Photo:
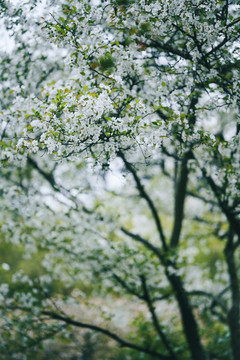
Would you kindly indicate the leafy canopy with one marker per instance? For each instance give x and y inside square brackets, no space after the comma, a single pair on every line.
[120,178]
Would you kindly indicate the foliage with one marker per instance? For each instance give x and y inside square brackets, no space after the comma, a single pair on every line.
[120,179]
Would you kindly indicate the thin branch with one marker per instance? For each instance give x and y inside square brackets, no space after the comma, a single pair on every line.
[219,315]
[215,299]
[200,197]
[48,176]
[145,242]
[67,320]
[217,47]
[127,287]
[122,342]
[145,196]
[44,77]
[234,22]
[218,192]
[4,130]
[155,319]
[163,297]
[135,293]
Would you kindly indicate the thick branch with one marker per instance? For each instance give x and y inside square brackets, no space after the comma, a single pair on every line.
[171,50]
[188,319]
[181,189]
[179,204]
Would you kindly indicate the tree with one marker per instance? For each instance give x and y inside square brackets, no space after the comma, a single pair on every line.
[146,93]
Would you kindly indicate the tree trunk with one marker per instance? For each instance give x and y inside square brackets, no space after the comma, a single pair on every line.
[188,320]
[233,315]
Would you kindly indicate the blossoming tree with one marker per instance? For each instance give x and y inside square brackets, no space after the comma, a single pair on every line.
[120,175]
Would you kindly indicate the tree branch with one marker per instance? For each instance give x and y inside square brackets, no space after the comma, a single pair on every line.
[181,189]
[155,319]
[145,196]
[235,223]
[58,188]
[139,296]
[179,204]
[106,332]
[145,242]
[127,287]
[188,319]
[67,320]
[215,299]
[169,49]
